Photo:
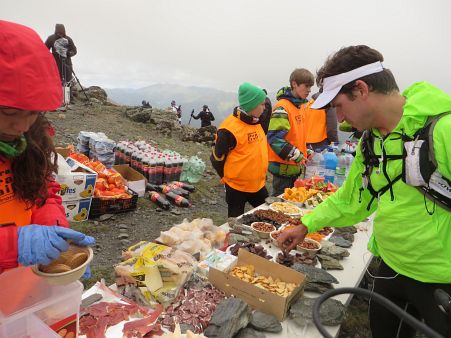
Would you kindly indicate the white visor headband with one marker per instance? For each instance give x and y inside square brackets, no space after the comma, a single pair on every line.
[333,84]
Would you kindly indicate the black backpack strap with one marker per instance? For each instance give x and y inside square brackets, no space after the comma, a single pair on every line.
[371,160]
[375,194]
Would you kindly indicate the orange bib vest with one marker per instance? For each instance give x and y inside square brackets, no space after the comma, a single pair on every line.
[12,210]
[246,165]
[315,123]
[296,134]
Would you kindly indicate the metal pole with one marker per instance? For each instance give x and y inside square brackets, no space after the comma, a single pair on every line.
[192,112]
[82,89]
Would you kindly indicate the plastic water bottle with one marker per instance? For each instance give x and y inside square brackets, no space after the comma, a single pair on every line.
[315,166]
[330,162]
[336,147]
[340,172]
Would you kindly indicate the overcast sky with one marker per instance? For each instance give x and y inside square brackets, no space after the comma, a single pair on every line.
[221,43]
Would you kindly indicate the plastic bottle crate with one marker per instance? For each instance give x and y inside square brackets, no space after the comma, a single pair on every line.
[102,206]
[30,307]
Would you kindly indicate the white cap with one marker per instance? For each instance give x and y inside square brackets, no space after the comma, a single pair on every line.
[333,84]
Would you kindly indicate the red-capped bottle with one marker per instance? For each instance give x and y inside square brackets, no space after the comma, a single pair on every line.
[178,190]
[159,200]
[178,200]
[184,185]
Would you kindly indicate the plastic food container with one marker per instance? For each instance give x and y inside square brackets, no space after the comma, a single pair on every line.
[30,307]
[258,227]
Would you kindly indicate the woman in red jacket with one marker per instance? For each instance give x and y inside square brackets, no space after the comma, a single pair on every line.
[33,226]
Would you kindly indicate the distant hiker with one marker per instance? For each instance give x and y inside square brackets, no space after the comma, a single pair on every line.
[177,110]
[240,152]
[265,117]
[205,116]
[146,104]
[63,48]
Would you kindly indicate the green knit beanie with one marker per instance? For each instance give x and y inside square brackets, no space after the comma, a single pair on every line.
[250,96]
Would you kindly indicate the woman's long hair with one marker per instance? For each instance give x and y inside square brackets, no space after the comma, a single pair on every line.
[34,167]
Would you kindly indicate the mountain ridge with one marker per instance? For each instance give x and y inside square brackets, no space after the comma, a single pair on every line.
[160,95]
[220,102]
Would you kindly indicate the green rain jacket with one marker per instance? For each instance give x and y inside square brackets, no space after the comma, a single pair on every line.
[408,239]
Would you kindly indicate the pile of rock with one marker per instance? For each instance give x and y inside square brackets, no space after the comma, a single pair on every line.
[201,135]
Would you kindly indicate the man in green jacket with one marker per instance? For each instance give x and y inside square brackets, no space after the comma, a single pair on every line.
[411,234]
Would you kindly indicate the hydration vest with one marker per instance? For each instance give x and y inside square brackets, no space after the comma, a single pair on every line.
[419,166]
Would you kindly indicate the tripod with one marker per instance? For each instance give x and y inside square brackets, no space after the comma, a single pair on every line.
[64,70]
[82,89]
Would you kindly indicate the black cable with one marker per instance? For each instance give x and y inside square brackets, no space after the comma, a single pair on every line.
[409,319]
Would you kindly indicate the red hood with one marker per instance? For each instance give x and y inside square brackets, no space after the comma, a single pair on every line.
[28,72]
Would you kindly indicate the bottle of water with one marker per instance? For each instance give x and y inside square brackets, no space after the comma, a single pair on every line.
[336,147]
[340,172]
[315,165]
[330,162]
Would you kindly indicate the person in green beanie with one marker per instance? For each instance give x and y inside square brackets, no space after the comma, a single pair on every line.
[411,232]
[286,133]
[240,152]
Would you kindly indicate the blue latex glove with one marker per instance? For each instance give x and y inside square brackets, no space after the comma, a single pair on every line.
[39,244]
[87,273]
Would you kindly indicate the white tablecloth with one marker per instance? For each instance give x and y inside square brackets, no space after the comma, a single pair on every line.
[354,269]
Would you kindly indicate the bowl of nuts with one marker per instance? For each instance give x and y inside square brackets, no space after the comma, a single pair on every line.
[263,229]
[68,267]
[310,246]
[274,235]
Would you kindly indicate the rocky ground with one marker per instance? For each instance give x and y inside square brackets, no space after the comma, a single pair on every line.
[116,232]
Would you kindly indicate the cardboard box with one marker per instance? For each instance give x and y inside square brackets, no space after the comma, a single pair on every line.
[77,181]
[63,151]
[77,211]
[257,298]
[134,180]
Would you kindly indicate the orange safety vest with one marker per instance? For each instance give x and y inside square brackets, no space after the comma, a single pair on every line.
[315,123]
[296,134]
[246,165]
[12,209]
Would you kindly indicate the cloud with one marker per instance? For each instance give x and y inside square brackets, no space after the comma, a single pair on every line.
[223,43]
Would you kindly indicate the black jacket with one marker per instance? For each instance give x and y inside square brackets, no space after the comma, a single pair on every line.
[205,117]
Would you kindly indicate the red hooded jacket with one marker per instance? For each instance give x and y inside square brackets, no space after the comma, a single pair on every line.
[29,81]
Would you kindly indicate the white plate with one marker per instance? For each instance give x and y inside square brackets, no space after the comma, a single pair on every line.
[286,213]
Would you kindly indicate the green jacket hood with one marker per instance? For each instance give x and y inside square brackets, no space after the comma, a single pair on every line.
[423,99]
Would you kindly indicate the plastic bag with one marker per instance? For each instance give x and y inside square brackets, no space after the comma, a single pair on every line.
[193,170]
